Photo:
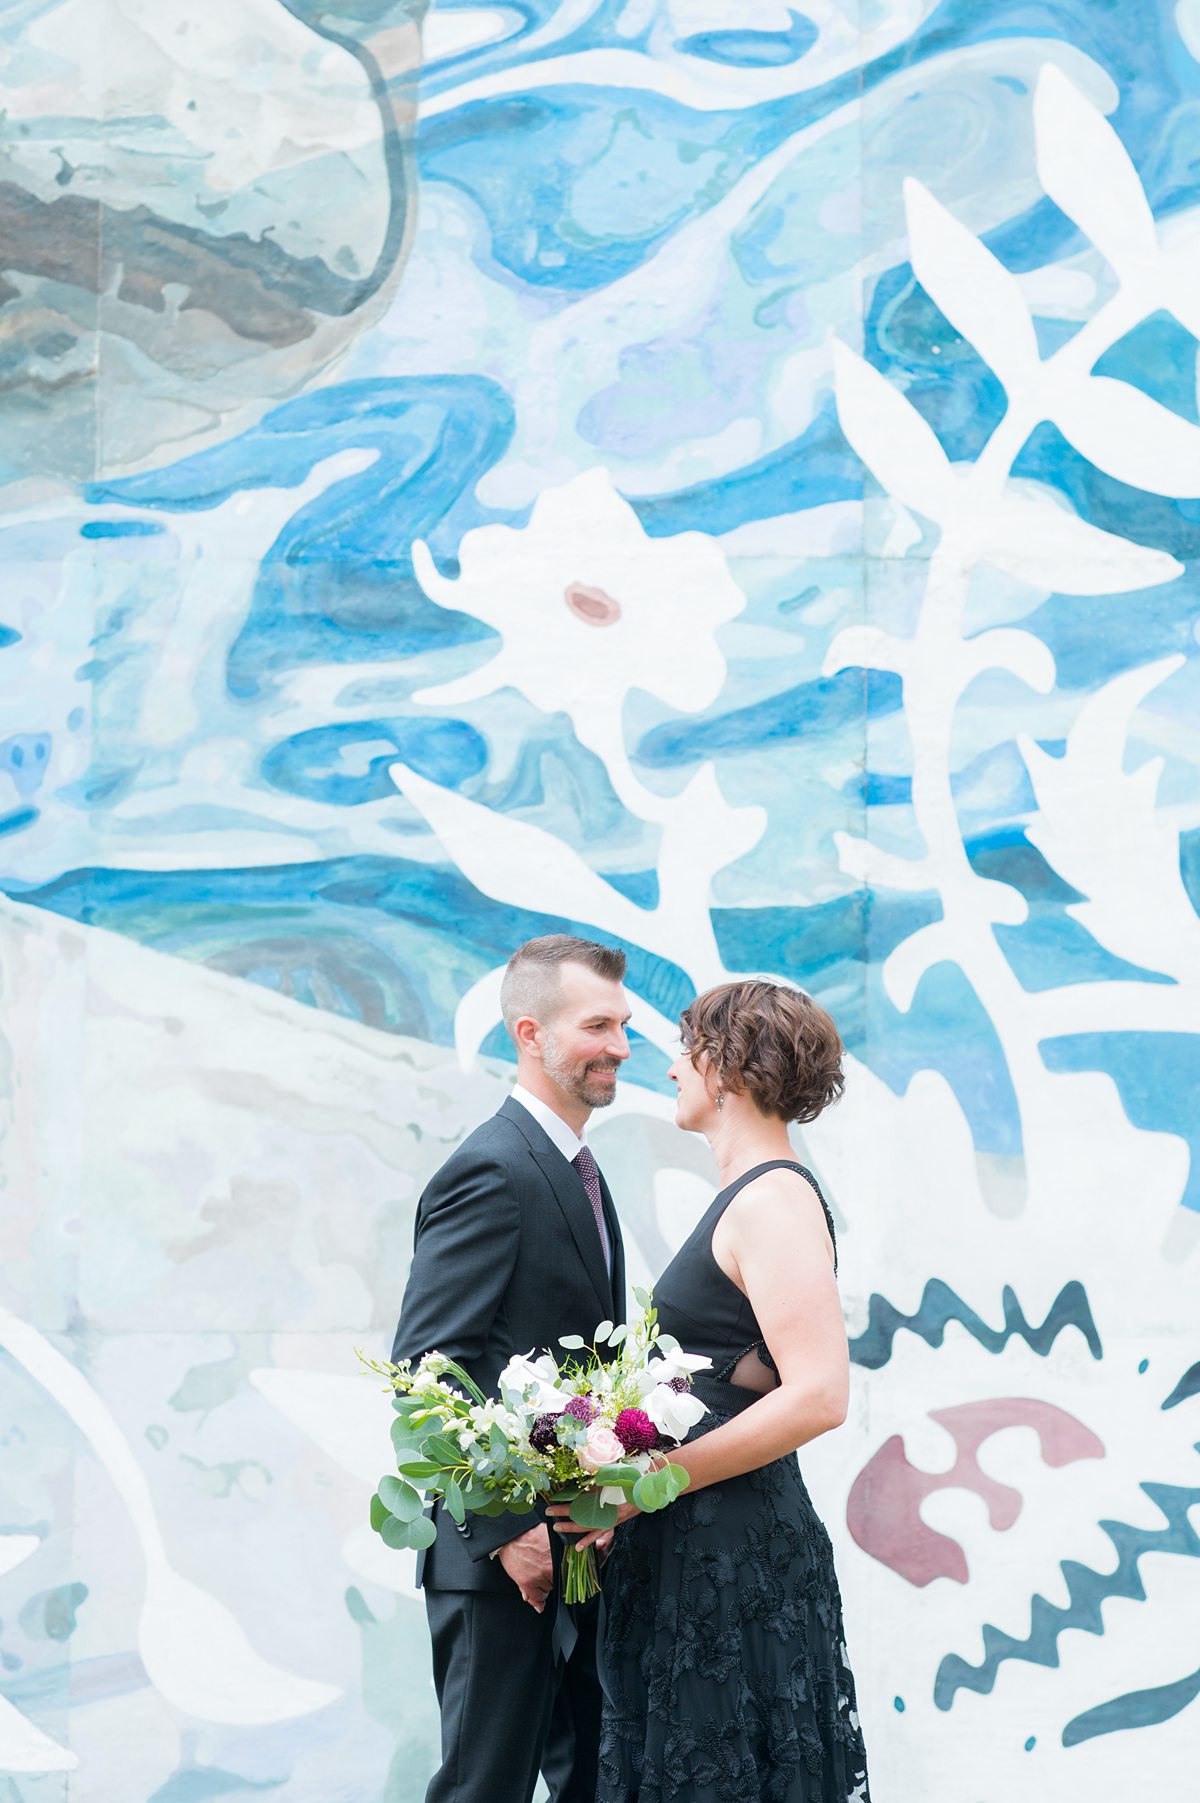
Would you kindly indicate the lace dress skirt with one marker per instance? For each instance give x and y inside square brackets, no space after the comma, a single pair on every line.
[721,1648]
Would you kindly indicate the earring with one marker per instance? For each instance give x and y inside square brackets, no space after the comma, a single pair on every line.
[720,1100]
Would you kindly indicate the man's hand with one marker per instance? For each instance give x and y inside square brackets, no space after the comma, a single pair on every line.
[527,1562]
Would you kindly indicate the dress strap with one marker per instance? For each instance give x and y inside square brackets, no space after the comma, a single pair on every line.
[784,1164]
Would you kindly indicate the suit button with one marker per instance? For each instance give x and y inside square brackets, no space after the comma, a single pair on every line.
[463,1529]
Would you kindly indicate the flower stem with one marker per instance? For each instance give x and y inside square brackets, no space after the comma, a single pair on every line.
[581,1581]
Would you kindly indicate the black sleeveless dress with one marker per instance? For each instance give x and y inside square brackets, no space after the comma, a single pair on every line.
[721,1648]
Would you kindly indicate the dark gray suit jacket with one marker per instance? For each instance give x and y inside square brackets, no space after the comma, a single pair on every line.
[506,1258]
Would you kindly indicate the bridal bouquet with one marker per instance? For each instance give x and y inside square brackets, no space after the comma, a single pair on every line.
[585,1431]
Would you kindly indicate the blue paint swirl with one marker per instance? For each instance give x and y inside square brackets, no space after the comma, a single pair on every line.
[1087,1591]
[940,1305]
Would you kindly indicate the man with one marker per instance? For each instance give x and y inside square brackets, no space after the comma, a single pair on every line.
[517,1242]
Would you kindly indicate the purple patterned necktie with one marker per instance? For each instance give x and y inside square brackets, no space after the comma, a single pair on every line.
[589,1173]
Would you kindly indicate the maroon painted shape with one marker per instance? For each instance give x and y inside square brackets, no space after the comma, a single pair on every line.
[883,1511]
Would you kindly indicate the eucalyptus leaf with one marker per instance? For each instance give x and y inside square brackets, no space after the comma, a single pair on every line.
[603,1332]
[589,1512]
[442,1449]
[676,1480]
[417,1470]
[641,1297]
[454,1499]
[617,1474]
[378,1514]
[649,1493]
[406,1438]
[403,1535]
[572,1341]
[400,1499]
[421,1532]
[618,1334]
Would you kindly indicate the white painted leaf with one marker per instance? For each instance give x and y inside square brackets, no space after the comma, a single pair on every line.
[477,1013]
[865,648]
[1040,543]
[1130,437]
[519,864]
[24,1748]
[1021,653]
[974,290]
[869,863]
[1087,172]
[907,964]
[889,435]
[1098,825]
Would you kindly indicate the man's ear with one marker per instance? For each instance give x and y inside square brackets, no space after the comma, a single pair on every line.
[527,1034]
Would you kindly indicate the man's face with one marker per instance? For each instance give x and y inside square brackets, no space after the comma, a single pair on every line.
[584,1043]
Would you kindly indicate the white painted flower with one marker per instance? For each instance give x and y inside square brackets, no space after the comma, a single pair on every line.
[589,607]
[673,1412]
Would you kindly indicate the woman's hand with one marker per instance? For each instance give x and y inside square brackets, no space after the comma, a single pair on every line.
[561,1513]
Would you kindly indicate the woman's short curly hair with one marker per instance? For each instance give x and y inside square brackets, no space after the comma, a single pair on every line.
[773,1044]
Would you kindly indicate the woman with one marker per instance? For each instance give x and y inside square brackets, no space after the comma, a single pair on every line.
[722,1658]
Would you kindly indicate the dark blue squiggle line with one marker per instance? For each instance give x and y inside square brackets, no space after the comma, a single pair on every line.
[1188,1386]
[1087,1590]
[1136,1709]
[940,1305]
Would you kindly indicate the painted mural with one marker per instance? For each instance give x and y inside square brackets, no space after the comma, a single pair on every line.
[722,477]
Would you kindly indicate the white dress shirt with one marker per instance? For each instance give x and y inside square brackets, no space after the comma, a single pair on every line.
[564,1138]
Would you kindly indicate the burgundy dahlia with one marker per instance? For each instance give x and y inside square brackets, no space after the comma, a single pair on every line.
[583,1409]
[635,1430]
[542,1434]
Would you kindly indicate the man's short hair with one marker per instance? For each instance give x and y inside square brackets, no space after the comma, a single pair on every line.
[532,983]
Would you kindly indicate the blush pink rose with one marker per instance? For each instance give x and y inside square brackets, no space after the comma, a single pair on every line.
[600,1448]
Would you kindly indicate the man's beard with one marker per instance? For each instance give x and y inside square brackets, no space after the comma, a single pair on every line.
[578,1080]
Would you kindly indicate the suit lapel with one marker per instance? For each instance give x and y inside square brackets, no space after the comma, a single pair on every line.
[572,1199]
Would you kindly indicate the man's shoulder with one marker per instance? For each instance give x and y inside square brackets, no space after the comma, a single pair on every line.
[498,1140]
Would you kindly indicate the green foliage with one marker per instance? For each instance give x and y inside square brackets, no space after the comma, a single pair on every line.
[618,1474]
[443,1450]
[379,1514]
[401,1534]
[400,1499]
[416,1471]
[572,1341]
[406,1438]
[589,1512]
[656,1489]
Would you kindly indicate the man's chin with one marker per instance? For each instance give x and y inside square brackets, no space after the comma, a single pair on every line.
[599,1095]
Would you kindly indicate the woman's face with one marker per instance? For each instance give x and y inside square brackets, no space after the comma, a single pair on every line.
[695,1097]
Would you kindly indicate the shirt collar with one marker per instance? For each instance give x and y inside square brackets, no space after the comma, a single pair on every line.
[562,1137]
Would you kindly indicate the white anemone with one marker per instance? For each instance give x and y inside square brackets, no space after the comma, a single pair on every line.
[673,1412]
[537,1380]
